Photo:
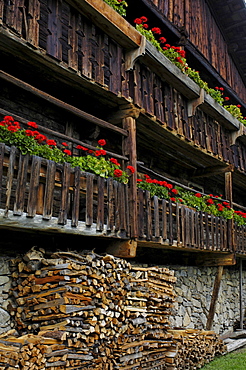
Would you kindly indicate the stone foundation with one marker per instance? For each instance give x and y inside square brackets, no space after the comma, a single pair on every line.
[194,288]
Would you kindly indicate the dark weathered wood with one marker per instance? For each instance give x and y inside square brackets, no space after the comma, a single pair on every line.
[89,199]
[2,152]
[34,186]
[100,203]
[148,215]
[49,191]
[76,198]
[164,219]
[141,214]
[156,217]
[21,185]
[110,205]
[64,205]
[170,219]
[79,113]
[130,150]
[10,177]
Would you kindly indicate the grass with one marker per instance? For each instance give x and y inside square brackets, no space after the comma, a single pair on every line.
[233,361]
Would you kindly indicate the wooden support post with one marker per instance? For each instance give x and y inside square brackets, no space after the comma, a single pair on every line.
[228,186]
[129,150]
[215,295]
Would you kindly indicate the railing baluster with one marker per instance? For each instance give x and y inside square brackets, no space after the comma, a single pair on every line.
[148,216]
[2,152]
[100,203]
[178,223]
[164,219]
[89,199]
[64,207]
[34,186]
[156,217]
[21,185]
[76,197]
[110,205]
[10,177]
[170,222]
[183,239]
[45,204]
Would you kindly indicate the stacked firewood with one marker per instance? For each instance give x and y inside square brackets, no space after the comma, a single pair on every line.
[83,310]
[192,349]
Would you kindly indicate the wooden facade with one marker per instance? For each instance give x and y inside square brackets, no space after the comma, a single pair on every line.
[81,69]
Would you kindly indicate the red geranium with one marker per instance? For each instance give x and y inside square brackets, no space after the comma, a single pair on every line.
[32,124]
[118,173]
[131,169]
[102,142]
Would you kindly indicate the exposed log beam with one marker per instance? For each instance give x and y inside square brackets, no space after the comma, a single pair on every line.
[123,249]
[211,171]
[59,103]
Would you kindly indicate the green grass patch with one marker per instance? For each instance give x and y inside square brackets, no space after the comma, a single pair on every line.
[233,361]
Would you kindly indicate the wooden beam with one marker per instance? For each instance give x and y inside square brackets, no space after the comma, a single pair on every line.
[212,259]
[123,249]
[214,298]
[211,171]
[61,104]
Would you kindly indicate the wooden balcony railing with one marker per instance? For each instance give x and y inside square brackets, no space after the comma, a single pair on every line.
[41,194]
[177,225]
[58,195]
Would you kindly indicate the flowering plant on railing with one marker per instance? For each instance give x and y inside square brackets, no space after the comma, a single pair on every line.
[118,5]
[211,204]
[31,141]
[177,56]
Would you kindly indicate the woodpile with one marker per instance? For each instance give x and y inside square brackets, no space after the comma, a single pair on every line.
[83,310]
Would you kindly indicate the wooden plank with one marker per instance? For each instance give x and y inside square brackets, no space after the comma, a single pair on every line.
[2,152]
[141,213]
[64,206]
[170,219]
[49,191]
[34,186]
[122,197]
[207,244]
[33,17]
[21,185]
[10,177]
[193,226]
[110,205]
[164,219]
[74,110]
[100,203]
[148,215]
[76,197]
[183,222]
[178,223]
[156,217]
[89,199]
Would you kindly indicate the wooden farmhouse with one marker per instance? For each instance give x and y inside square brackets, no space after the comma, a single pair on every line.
[122,182]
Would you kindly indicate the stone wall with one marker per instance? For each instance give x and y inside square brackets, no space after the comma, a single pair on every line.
[5,285]
[194,289]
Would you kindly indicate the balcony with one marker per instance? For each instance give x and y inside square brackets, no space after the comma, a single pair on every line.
[38,194]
